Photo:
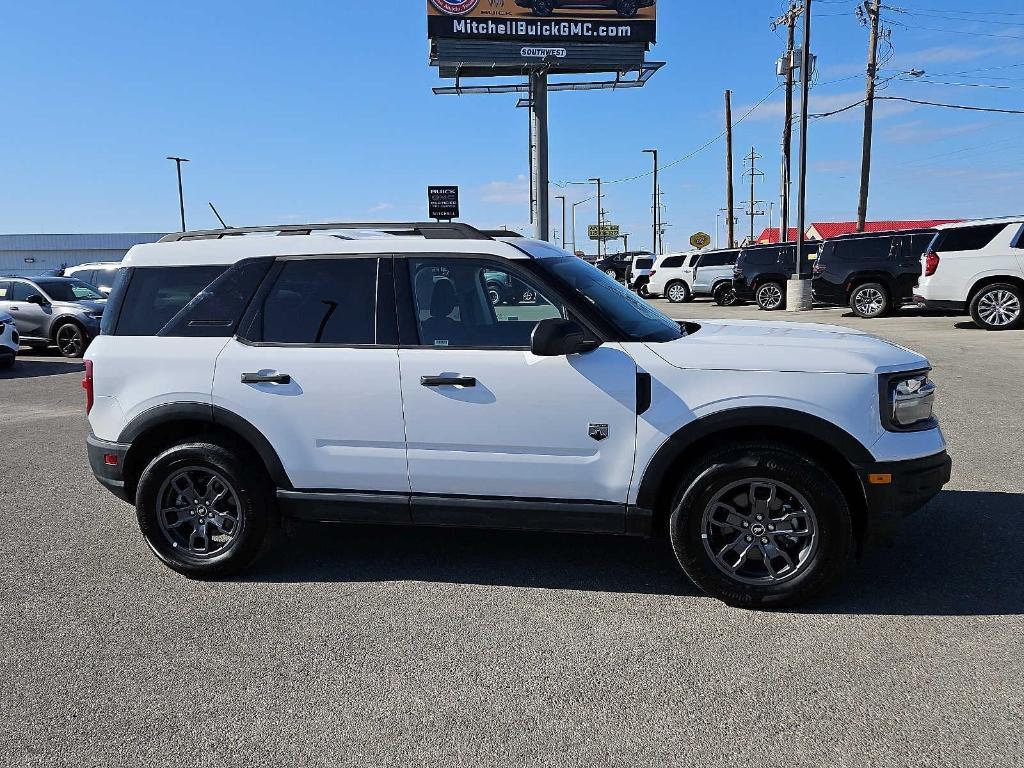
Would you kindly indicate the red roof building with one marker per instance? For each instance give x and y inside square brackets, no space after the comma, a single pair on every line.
[771,235]
[823,230]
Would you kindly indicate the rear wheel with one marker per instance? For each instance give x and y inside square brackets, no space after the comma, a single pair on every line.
[870,300]
[760,526]
[70,340]
[612,274]
[677,292]
[998,307]
[770,297]
[204,510]
[725,295]
[642,291]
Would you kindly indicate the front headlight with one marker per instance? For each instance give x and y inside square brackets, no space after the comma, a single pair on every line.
[908,401]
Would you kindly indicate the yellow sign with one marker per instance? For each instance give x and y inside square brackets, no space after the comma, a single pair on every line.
[700,240]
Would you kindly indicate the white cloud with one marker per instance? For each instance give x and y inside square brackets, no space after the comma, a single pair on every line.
[380,207]
[923,132]
[513,192]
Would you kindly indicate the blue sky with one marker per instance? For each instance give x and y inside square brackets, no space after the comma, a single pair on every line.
[323,110]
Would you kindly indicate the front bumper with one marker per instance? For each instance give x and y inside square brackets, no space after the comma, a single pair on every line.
[110,475]
[896,489]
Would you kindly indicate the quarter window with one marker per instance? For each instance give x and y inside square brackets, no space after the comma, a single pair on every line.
[156,294]
[967,238]
[321,301]
[672,261]
[473,303]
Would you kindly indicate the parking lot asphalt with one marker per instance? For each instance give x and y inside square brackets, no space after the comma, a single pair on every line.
[370,646]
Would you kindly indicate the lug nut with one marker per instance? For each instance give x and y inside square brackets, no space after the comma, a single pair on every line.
[749,538]
[759,517]
[746,524]
[764,539]
[771,527]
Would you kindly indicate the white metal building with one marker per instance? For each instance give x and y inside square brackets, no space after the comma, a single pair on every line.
[35,254]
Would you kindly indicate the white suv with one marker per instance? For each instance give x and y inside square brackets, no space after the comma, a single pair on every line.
[361,373]
[672,276]
[977,266]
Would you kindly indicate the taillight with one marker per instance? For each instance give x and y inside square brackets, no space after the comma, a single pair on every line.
[818,268]
[931,263]
[653,271]
[87,386]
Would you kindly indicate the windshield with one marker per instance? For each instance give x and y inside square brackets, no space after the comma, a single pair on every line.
[69,290]
[620,306]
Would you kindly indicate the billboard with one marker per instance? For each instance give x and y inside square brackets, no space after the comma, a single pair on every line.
[544,21]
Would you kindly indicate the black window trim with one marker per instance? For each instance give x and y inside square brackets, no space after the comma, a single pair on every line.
[408,326]
[1018,239]
[260,295]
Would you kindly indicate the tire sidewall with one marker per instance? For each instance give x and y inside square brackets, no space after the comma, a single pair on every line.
[976,300]
[886,301]
[83,336]
[830,508]
[253,492]
[685,295]
[720,294]
[762,287]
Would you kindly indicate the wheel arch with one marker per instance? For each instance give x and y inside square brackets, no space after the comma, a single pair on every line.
[858,279]
[982,282]
[60,320]
[158,428]
[835,448]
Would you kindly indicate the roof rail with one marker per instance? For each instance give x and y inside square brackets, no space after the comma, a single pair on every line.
[429,230]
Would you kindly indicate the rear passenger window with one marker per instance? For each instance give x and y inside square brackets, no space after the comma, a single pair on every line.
[672,261]
[321,301]
[967,238]
[156,294]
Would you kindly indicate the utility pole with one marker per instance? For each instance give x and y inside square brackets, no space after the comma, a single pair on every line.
[574,246]
[799,291]
[788,65]
[655,208]
[562,198]
[728,169]
[873,8]
[754,173]
[601,245]
[181,193]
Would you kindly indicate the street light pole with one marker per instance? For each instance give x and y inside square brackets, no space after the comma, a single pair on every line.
[601,250]
[562,198]
[656,206]
[575,248]
[181,193]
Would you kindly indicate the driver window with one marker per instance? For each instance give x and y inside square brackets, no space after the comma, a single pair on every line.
[474,303]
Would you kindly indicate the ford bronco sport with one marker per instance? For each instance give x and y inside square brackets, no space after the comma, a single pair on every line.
[335,375]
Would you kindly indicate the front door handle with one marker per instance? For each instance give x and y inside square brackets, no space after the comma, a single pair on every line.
[447,381]
[259,378]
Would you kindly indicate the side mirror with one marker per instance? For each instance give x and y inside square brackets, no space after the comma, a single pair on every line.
[35,298]
[555,337]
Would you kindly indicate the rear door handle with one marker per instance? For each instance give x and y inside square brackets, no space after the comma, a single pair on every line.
[259,378]
[447,381]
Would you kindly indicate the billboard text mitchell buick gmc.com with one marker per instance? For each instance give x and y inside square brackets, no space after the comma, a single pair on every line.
[544,21]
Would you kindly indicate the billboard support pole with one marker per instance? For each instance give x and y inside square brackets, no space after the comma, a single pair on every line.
[539,152]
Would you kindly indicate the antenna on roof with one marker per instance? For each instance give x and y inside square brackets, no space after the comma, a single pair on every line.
[215,213]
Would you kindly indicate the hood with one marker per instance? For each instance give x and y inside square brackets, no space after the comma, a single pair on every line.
[757,345]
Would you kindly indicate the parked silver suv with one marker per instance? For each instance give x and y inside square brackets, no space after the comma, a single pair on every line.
[53,310]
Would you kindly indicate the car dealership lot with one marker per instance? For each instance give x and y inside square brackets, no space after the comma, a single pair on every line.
[408,646]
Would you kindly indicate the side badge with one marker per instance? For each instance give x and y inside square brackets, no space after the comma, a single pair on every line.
[598,431]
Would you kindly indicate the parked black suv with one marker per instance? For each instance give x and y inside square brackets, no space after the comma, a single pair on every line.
[618,265]
[873,272]
[761,272]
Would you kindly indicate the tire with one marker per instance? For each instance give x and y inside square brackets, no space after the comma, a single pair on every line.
[803,563]
[725,295]
[643,292]
[5,364]
[543,7]
[70,339]
[870,300]
[770,297]
[211,467]
[612,274]
[998,307]
[626,8]
[677,292]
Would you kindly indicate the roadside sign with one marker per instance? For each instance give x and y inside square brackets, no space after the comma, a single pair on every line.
[700,240]
[443,202]
[603,232]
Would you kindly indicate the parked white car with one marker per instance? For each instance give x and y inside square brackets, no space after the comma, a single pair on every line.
[99,273]
[329,375]
[977,266]
[672,276]
[9,341]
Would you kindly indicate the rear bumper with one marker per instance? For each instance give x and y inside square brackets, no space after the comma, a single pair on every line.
[911,484]
[943,306]
[110,475]
[828,293]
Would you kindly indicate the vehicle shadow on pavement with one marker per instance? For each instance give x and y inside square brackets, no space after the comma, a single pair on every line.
[339,552]
[959,556]
[33,369]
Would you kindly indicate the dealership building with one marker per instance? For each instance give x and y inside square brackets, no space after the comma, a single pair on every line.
[29,255]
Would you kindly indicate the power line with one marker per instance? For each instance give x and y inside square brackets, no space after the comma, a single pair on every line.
[923,103]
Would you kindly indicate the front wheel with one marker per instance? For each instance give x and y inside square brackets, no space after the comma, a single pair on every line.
[205,510]
[725,295]
[612,274]
[869,300]
[70,340]
[998,307]
[770,297]
[760,526]
[677,292]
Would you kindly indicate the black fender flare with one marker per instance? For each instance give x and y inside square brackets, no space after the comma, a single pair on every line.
[209,414]
[60,320]
[754,416]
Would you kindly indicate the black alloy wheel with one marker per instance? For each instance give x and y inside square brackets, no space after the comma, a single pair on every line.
[70,340]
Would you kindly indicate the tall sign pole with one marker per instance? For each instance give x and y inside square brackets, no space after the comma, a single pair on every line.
[799,290]
[730,223]
[539,154]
